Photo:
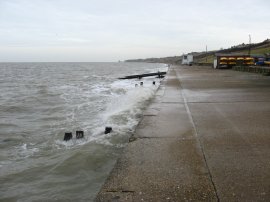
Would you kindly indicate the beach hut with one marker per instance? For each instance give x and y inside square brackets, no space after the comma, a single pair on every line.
[187,59]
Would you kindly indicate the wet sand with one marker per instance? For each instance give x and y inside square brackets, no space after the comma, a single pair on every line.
[205,137]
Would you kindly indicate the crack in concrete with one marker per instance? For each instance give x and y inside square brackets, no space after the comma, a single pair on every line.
[200,144]
[172,102]
[132,139]
[170,137]
[120,191]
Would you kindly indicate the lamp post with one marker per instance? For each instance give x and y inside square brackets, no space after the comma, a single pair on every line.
[249,48]
[206,54]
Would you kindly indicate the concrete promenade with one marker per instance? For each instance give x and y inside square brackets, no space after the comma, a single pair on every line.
[205,137]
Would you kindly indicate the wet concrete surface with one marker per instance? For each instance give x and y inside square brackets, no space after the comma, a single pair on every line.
[232,120]
[205,137]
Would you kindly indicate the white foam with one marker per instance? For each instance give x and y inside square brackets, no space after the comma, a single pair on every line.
[121,109]
[122,114]
[25,150]
[124,109]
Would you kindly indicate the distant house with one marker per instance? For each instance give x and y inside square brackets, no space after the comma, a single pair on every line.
[187,59]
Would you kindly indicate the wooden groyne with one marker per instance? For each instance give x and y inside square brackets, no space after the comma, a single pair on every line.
[138,76]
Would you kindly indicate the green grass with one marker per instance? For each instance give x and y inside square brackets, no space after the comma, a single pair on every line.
[207,59]
[259,51]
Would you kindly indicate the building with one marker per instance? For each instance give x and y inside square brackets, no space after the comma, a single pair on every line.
[187,59]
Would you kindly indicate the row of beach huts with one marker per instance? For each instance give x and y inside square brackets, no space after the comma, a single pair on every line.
[222,61]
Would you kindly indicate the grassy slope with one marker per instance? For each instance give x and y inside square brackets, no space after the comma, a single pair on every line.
[261,50]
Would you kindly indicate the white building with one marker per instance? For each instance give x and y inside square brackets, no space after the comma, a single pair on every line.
[187,59]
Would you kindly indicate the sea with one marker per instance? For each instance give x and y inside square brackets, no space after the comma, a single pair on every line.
[40,102]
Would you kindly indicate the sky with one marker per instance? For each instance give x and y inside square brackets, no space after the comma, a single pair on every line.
[113,30]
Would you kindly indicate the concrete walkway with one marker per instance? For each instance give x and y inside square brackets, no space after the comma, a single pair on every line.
[205,137]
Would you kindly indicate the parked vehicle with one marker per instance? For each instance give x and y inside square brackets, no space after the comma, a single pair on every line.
[260,62]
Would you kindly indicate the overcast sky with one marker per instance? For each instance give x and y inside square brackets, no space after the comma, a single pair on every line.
[112,30]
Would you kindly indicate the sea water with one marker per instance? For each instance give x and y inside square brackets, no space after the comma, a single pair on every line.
[39,102]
